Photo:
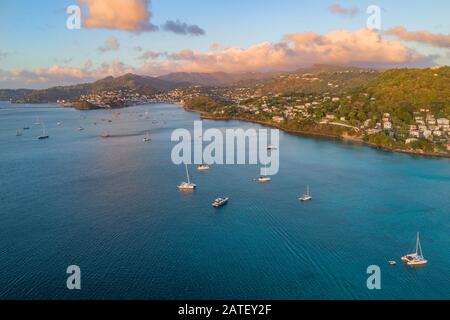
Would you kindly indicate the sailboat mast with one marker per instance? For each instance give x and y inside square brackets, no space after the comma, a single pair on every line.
[419,246]
[187,173]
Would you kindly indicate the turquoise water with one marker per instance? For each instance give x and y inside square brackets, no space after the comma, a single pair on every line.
[112,207]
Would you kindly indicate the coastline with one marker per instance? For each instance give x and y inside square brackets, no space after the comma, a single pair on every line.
[348,138]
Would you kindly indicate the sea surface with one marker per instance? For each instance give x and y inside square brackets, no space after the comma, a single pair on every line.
[112,207]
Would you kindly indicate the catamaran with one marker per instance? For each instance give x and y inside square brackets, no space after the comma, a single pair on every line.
[219,202]
[307,196]
[264,178]
[415,259]
[44,133]
[187,186]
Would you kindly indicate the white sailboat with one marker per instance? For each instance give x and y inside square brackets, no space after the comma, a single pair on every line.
[264,178]
[187,186]
[415,259]
[147,138]
[44,133]
[307,196]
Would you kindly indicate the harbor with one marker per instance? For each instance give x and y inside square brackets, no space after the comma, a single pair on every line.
[113,207]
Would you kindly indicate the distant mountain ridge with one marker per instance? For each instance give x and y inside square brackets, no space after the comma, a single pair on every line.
[8,94]
[215,79]
[301,80]
[326,68]
[142,84]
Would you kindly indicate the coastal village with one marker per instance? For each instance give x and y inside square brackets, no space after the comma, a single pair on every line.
[330,109]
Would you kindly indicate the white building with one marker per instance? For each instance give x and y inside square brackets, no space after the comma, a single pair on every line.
[411,140]
[387,125]
[278,119]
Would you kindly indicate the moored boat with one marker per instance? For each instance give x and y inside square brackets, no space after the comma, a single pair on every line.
[264,178]
[306,197]
[147,138]
[44,133]
[415,259]
[203,167]
[187,186]
[220,202]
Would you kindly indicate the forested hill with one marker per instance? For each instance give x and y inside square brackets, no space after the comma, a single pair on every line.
[410,90]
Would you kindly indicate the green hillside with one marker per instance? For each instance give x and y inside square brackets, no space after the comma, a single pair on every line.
[412,89]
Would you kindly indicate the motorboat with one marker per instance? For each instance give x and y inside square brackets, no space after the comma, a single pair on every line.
[220,202]
[203,167]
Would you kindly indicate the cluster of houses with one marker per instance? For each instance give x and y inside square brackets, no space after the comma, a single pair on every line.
[427,127]
[291,108]
[108,99]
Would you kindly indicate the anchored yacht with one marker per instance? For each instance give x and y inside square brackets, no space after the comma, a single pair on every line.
[44,133]
[219,202]
[264,178]
[415,259]
[147,138]
[203,167]
[187,186]
[307,196]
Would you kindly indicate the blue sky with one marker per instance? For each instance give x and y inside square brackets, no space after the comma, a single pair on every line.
[33,34]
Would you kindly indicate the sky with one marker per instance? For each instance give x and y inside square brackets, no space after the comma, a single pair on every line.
[38,50]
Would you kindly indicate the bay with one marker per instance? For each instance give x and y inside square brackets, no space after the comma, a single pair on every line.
[112,207]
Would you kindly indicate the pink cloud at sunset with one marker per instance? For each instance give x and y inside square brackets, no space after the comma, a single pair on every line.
[437,40]
[128,15]
[360,48]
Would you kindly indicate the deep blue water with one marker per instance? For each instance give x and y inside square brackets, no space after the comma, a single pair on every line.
[112,207]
